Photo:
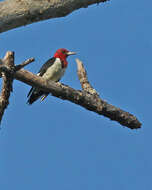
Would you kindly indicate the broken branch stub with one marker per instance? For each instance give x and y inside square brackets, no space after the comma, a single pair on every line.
[7,76]
[82,75]
[7,70]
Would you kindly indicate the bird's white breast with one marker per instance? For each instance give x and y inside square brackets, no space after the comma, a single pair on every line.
[55,72]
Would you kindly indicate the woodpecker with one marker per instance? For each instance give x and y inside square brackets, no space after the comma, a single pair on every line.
[52,70]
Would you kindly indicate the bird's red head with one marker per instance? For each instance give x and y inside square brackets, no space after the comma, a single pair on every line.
[63,54]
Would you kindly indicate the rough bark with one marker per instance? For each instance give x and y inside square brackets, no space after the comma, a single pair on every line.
[16,13]
[87,100]
[82,75]
[7,70]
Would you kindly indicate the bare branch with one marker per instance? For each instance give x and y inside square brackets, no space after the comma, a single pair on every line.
[88,98]
[108,110]
[16,13]
[81,98]
[7,76]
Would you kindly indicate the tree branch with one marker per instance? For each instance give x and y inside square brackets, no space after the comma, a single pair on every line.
[82,98]
[108,110]
[88,98]
[16,13]
[7,76]
[7,70]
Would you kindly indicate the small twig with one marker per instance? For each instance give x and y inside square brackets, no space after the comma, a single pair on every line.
[20,66]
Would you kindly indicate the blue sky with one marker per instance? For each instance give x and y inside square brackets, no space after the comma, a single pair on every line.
[59,145]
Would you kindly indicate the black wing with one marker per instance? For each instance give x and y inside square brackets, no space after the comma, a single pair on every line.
[46,65]
[30,92]
[34,93]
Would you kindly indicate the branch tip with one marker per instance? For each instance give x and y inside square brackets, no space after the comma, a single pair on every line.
[20,66]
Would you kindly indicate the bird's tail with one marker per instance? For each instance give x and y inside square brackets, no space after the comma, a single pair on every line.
[34,94]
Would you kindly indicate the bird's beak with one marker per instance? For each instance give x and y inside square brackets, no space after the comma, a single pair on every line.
[71,53]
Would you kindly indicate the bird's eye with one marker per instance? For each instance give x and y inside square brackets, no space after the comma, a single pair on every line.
[63,51]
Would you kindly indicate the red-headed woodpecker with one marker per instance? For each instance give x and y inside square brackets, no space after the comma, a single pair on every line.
[52,70]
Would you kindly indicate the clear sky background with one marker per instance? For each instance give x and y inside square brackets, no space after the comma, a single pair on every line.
[61,146]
